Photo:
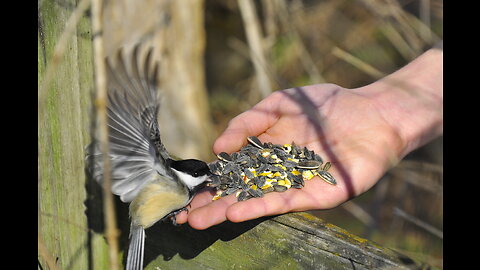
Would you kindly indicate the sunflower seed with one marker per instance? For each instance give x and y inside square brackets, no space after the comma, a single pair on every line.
[216,167]
[248,173]
[255,192]
[259,168]
[327,177]
[309,164]
[214,181]
[307,153]
[290,164]
[230,190]
[259,181]
[244,186]
[268,189]
[295,185]
[279,188]
[255,141]
[243,195]
[225,179]
[242,159]
[224,157]
[327,166]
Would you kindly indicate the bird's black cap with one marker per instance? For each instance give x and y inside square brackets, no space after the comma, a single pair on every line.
[194,167]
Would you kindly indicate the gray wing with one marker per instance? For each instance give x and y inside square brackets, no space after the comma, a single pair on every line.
[136,153]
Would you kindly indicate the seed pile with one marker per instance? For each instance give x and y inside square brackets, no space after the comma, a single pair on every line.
[259,168]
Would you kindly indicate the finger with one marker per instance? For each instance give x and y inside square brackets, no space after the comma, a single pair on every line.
[250,123]
[181,217]
[231,140]
[271,204]
[201,198]
[316,194]
[211,214]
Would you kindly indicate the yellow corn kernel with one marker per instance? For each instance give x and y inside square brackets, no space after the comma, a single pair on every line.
[266,186]
[280,166]
[265,152]
[307,175]
[270,180]
[266,173]
[294,159]
[288,183]
[295,172]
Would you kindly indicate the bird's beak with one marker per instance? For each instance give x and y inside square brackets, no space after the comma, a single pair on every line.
[213,180]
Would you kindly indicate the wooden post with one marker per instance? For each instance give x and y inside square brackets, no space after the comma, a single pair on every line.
[64,121]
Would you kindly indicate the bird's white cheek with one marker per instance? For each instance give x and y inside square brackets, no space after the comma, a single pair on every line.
[189,180]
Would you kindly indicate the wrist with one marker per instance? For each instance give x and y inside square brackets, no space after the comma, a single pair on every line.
[411,100]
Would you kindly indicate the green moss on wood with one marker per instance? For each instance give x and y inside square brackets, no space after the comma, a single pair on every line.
[63,131]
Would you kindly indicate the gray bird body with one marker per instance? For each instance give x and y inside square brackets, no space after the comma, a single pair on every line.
[143,174]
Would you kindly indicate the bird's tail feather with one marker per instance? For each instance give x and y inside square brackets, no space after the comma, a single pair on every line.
[135,249]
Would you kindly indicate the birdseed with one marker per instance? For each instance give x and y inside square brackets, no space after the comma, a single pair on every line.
[259,168]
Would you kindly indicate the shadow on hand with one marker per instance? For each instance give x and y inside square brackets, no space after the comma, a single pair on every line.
[310,109]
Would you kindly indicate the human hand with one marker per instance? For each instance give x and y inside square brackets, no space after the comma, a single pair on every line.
[362,132]
[341,125]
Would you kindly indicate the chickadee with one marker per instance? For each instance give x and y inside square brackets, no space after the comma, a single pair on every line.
[143,172]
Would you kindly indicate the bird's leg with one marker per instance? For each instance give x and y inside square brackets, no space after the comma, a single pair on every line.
[172,215]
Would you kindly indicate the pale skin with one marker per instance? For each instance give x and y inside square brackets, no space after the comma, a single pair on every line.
[362,131]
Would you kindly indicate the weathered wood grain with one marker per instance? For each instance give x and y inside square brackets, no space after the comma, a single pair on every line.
[64,120]
[292,241]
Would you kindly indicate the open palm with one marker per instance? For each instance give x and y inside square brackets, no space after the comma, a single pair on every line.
[344,126]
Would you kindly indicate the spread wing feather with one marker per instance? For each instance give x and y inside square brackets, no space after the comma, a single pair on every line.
[136,152]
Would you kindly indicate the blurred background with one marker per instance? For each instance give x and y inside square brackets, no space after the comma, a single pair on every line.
[349,43]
